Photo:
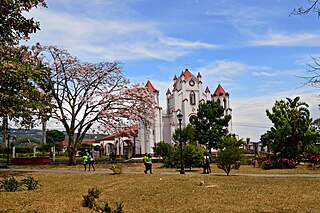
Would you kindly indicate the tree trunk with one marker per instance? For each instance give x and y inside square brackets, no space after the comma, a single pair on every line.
[72,156]
[44,131]
[5,130]
[72,149]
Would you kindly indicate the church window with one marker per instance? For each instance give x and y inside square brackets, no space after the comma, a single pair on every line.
[218,101]
[168,106]
[225,103]
[192,98]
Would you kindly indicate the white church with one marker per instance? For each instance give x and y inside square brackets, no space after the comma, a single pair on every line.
[184,97]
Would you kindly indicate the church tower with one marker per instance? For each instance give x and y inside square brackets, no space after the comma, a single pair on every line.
[184,97]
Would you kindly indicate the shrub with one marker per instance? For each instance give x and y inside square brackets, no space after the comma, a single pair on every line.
[11,184]
[193,155]
[89,200]
[116,168]
[31,183]
[229,158]
[24,149]
[119,208]
[163,149]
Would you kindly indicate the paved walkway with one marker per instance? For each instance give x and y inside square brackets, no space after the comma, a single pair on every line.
[163,173]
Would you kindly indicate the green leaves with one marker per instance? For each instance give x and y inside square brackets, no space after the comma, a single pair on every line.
[14,26]
[212,124]
[292,131]
[12,184]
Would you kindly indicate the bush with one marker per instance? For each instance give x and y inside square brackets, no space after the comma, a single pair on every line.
[11,184]
[229,158]
[24,149]
[193,155]
[31,183]
[163,149]
[116,168]
[89,200]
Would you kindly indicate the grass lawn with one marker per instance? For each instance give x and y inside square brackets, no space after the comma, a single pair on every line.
[62,192]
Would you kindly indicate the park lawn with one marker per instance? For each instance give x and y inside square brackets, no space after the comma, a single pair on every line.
[62,192]
[158,167]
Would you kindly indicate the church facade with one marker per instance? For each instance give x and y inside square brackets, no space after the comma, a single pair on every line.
[184,97]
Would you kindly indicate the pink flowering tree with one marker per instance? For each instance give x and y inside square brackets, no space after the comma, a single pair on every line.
[92,96]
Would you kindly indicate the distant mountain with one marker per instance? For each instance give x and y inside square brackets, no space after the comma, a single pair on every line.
[37,134]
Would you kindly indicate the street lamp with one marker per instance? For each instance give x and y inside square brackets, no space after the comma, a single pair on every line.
[8,147]
[180,140]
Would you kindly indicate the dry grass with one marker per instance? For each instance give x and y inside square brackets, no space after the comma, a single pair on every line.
[62,192]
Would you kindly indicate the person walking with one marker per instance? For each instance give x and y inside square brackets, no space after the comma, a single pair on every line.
[147,163]
[145,159]
[91,162]
[206,165]
[85,161]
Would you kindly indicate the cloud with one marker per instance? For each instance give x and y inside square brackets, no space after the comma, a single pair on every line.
[111,39]
[287,39]
[226,68]
[264,74]
[249,116]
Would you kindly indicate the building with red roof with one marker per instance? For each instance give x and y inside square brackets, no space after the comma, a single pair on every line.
[184,97]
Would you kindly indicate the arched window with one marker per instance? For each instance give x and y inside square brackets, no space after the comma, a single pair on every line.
[225,103]
[218,101]
[192,98]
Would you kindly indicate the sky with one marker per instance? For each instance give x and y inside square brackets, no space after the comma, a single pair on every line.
[255,49]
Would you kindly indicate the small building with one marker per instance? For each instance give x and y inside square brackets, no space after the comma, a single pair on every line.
[123,143]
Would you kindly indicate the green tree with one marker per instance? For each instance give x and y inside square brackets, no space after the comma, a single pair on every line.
[54,137]
[163,149]
[291,134]
[193,155]
[20,73]
[211,125]
[14,26]
[231,155]
[187,135]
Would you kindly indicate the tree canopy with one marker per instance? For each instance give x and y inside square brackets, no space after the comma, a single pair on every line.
[14,26]
[20,73]
[211,124]
[187,134]
[231,155]
[86,94]
[292,132]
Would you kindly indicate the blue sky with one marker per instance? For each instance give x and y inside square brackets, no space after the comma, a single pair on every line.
[254,49]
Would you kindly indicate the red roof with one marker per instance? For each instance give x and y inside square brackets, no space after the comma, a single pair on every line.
[168,92]
[84,141]
[220,91]
[133,130]
[186,74]
[207,90]
[151,87]
[199,75]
